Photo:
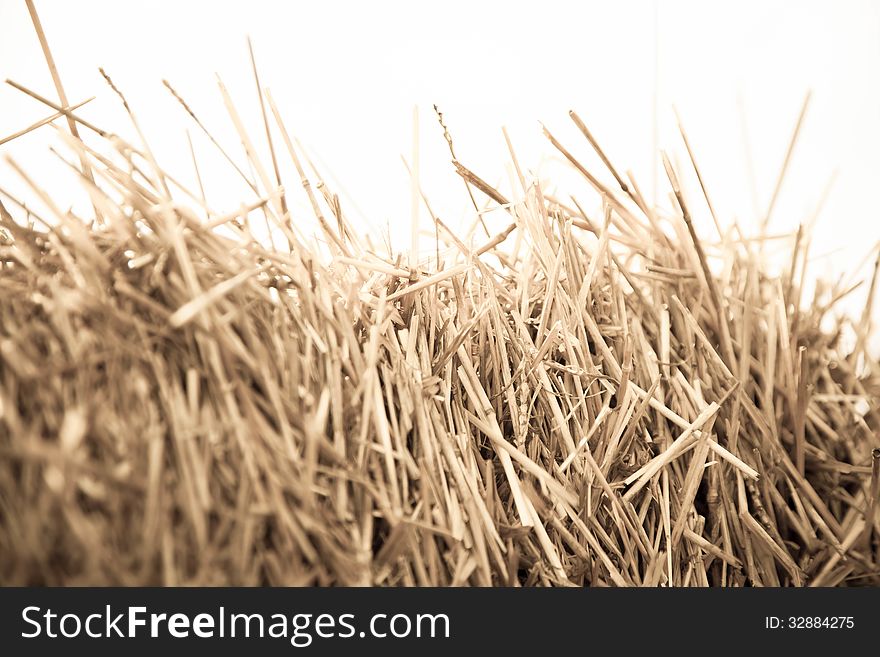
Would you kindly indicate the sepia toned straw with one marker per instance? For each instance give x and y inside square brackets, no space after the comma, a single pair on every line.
[569,400]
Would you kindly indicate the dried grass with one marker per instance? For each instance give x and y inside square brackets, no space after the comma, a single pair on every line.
[569,402]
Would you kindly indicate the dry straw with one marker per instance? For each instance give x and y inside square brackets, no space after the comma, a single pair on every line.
[571,401]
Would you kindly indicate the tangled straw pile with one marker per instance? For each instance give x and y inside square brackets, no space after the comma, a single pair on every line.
[572,402]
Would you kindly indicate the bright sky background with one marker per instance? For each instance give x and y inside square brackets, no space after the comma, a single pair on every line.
[346,75]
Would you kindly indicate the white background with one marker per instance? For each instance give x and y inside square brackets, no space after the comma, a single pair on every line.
[347,74]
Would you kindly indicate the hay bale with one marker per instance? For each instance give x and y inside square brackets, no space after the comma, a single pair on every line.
[571,402]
